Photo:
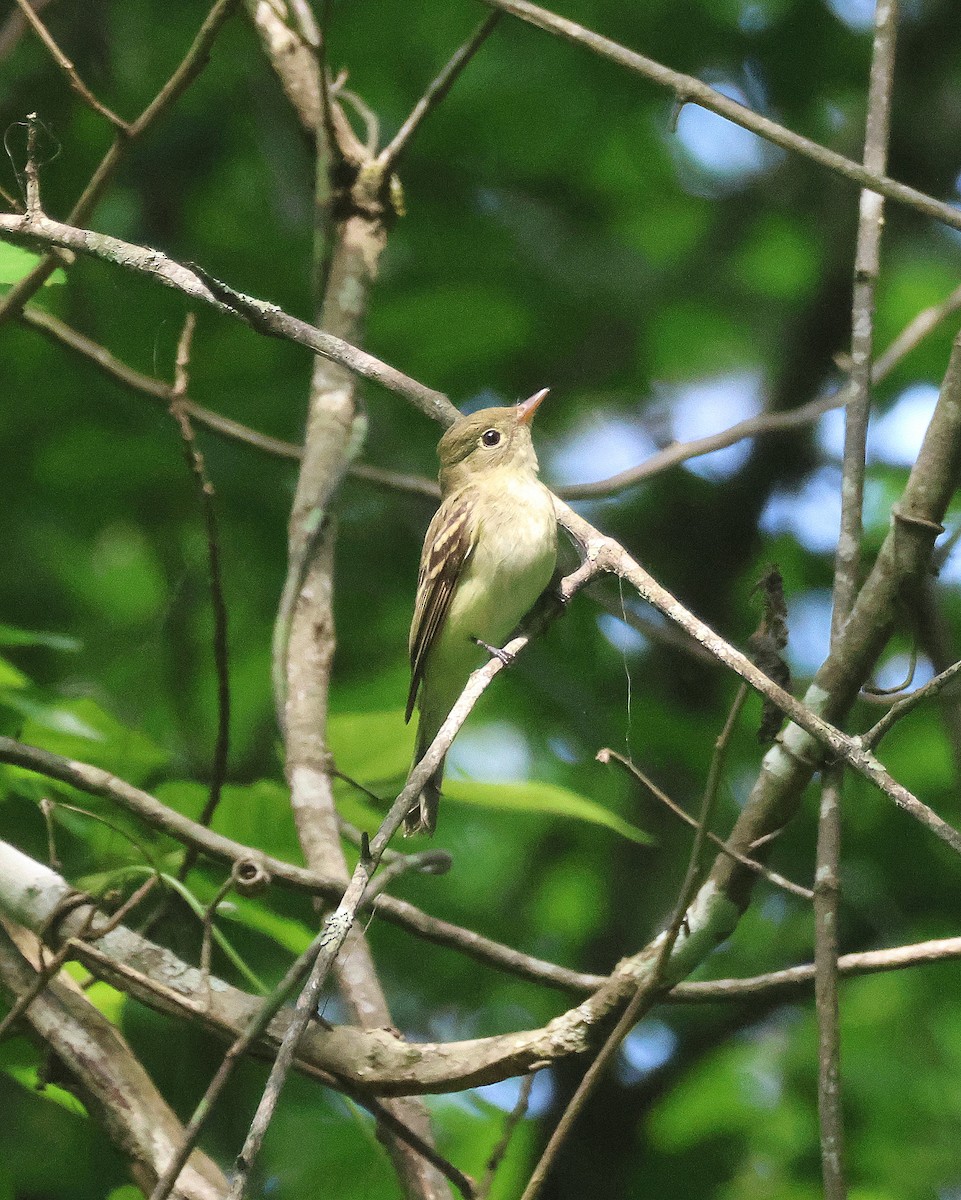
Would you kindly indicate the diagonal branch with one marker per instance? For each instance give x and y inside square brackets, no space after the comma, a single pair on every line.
[68,68]
[689,90]
[188,69]
[116,1088]
[391,153]
[191,281]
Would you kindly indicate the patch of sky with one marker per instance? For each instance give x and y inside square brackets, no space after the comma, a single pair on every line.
[951,570]
[775,908]
[565,750]
[486,398]
[856,14]
[894,437]
[809,626]
[724,152]
[598,447]
[493,753]
[896,672]
[624,638]
[504,1094]
[811,512]
[753,18]
[708,406]
[645,1049]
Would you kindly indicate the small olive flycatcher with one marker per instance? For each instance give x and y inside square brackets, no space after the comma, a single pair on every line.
[489,553]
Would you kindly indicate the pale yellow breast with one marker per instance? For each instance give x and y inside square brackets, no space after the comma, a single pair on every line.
[512,563]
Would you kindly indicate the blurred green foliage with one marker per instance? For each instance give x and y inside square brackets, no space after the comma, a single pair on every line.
[558,232]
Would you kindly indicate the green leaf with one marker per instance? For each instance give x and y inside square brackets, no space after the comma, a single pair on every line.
[371,747]
[15,262]
[291,935]
[11,636]
[82,729]
[547,798]
[10,677]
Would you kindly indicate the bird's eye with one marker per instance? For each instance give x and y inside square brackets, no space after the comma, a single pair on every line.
[491,437]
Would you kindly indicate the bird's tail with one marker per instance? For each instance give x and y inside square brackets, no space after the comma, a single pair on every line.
[422,817]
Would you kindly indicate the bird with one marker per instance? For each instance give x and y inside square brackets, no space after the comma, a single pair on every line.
[489,553]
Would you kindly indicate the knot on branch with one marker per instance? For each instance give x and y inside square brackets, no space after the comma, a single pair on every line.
[250,876]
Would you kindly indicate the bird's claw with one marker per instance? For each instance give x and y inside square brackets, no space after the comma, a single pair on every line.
[503,656]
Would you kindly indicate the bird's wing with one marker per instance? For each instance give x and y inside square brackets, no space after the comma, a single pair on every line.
[449,543]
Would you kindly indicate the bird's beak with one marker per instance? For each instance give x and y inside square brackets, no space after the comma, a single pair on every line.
[525,411]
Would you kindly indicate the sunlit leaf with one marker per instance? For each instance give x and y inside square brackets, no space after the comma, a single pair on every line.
[546,798]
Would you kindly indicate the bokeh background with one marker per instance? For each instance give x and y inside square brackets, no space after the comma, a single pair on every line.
[665,275]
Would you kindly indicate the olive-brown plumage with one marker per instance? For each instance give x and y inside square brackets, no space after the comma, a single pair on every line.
[489,553]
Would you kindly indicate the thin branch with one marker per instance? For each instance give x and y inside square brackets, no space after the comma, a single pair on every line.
[431,402]
[198,285]
[901,708]
[391,153]
[31,169]
[847,580]
[770,422]
[189,68]
[62,334]
[48,970]
[103,1067]
[647,990]
[603,554]
[216,846]
[338,925]
[795,978]
[866,267]
[514,1118]
[206,496]
[69,69]
[689,90]
[772,877]
[14,27]
[826,897]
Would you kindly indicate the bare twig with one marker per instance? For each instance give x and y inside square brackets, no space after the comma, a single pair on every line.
[866,266]
[206,496]
[142,1126]
[605,555]
[514,1118]
[692,91]
[772,877]
[69,69]
[31,168]
[14,27]
[189,68]
[271,321]
[901,708]
[826,896]
[645,993]
[198,285]
[47,971]
[63,334]
[793,979]
[391,153]
[338,925]
[216,846]
[847,580]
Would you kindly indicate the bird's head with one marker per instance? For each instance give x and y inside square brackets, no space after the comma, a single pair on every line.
[486,440]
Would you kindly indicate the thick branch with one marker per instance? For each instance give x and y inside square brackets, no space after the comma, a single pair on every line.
[113,1084]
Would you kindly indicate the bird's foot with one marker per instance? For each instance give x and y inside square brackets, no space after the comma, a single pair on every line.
[503,656]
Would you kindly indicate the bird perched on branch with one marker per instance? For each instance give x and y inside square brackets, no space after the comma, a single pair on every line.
[489,553]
